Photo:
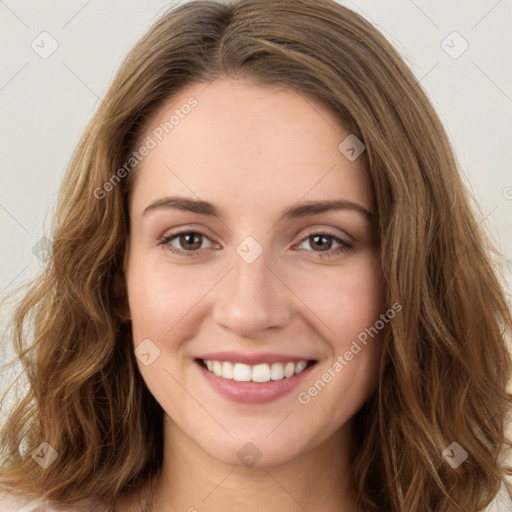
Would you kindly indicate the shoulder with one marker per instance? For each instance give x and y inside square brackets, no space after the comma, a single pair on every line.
[502,503]
[15,503]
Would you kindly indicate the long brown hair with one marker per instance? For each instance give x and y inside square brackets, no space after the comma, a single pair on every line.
[445,366]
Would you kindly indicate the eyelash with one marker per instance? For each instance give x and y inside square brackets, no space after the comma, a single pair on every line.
[344,246]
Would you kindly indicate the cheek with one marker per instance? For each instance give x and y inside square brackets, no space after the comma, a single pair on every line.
[152,305]
[347,300]
[350,302]
[361,299]
[161,297]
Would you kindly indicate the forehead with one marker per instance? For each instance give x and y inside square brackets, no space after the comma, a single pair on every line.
[242,144]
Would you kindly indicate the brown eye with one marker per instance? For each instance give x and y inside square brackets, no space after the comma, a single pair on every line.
[185,242]
[322,243]
[190,241]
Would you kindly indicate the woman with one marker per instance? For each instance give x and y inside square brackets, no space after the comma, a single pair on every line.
[267,286]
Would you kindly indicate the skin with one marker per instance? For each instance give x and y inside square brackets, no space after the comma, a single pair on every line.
[253,151]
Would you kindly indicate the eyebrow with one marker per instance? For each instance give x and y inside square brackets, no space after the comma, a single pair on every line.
[304,209]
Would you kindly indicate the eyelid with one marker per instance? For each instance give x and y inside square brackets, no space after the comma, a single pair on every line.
[330,232]
[344,244]
[311,231]
[171,235]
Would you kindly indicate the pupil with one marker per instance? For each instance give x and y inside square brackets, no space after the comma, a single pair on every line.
[329,243]
[185,240]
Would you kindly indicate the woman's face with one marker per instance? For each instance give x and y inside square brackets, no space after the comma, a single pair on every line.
[231,259]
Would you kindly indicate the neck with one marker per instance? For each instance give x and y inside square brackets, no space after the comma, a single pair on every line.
[191,480]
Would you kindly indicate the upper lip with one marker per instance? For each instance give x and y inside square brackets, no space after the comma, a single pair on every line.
[253,359]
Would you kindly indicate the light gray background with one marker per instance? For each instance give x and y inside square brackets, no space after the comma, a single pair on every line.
[46,103]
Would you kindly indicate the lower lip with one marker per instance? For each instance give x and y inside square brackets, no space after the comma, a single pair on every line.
[253,392]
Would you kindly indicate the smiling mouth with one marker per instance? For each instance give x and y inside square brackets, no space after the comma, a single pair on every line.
[263,372]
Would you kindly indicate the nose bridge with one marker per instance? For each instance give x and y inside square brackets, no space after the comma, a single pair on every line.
[251,275]
[251,297]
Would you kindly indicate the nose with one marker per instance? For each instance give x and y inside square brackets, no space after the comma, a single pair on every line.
[252,298]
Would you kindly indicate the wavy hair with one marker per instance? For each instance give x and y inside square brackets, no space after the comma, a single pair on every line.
[446,364]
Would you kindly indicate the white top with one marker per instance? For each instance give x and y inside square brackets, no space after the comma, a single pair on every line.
[15,503]
[10,503]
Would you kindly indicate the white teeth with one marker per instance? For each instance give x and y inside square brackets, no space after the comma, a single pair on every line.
[258,373]
[261,373]
[289,369]
[217,368]
[300,366]
[242,372]
[276,371]
[227,370]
